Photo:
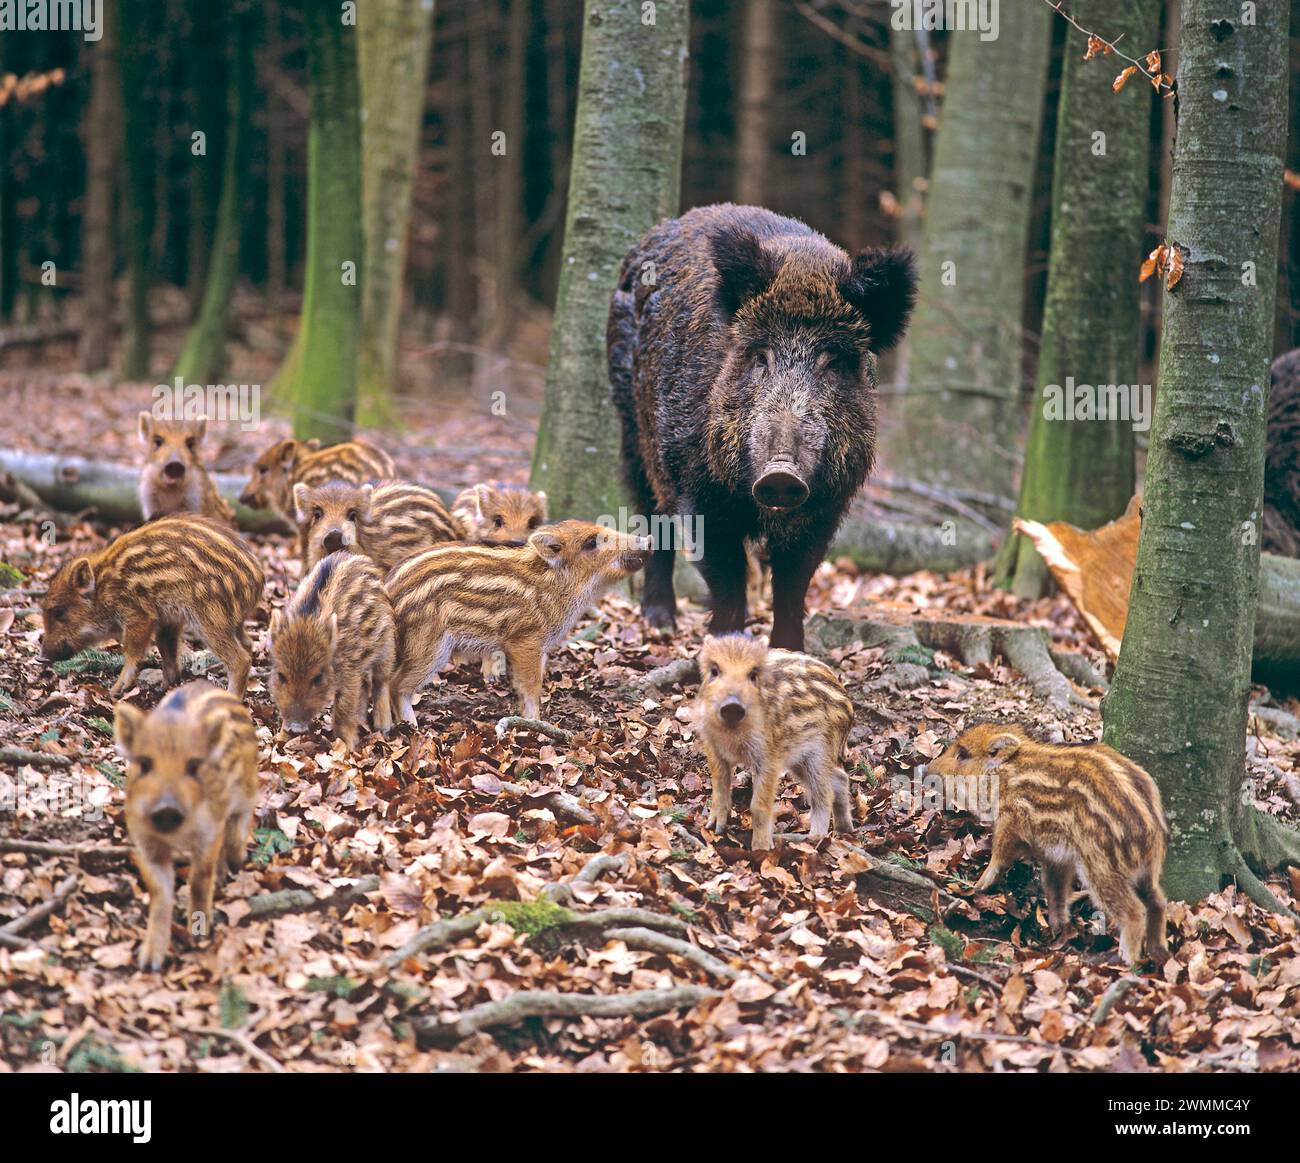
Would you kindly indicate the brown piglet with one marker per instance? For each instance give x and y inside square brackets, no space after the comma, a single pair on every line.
[172,574]
[173,479]
[191,785]
[772,711]
[387,522]
[499,512]
[1084,810]
[334,639]
[522,600]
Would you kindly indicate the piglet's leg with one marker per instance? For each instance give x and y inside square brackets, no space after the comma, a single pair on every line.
[169,650]
[226,644]
[382,699]
[203,879]
[762,804]
[843,804]
[136,636]
[720,806]
[816,779]
[160,881]
[1004,855]
[526,674]
[346,704]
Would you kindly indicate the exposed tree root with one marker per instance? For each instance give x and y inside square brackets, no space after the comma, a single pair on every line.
[650,941]
[300,900]
[1111,996]
[680,670]
[42,848]
[39,912]
[20,757]
[560,803]
[532,1003]
[561,893]
[243,1041]
[973,639]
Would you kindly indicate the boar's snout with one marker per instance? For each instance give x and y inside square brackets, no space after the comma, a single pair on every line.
[779,486]
[333,541]
[731,711]
[174,470]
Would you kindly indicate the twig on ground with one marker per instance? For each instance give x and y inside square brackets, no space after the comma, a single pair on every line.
[560,802]
[42,910]
[1111,996]
[300,900]
[243,1041]
[539,726]
[680,670]
[42,848]
[20,756]
[963,971]
[531,1003]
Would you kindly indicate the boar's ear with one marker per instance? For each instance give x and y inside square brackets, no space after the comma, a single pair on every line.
[881,284]
[126,723]
[287,453]
[146,426]
[744,268]
[334,631]
[313,445]
[300,502]
[277,621]
[200,429]
[1003,747]
[541,503]
[83,576]
[367,492]
[547,546]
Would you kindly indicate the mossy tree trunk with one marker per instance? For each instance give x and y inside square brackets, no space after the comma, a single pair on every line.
[137,170]
[1078,467]
[625,176]
[319,374]
[395,36]
[1178,702]
[956,421]
[759,64]
[203,355]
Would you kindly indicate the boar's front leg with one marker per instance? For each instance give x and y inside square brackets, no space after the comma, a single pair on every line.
[792,570]
[723,566]
[136,636]
[659,599]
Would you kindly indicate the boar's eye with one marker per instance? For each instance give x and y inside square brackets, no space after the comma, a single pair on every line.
[498,522]
[189,443]
[317,513]
[157,441]
[753,675]
[590,544]
[763,359]
[962,753]
[534,522]
[713,670]
[192,766]
[261,470]
[352,514]
[320,678]
[280,676]
[57,613]
[146,764]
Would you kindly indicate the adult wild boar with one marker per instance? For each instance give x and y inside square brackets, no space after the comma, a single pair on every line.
[741,357]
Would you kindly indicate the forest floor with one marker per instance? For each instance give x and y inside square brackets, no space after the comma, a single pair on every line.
[817,963]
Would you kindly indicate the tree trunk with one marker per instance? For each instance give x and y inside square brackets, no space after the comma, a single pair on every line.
[909,133]
[1178,702]
[395,40]
[1079,468]
[759,64]
[964,354]
[102,138]
[320,372]
[457,256]
[625,176]
[136,170]
[203,355]
[276,237]
[207,112]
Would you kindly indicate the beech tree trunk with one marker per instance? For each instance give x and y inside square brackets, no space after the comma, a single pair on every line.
[1079,467]
[625,176]
[320,372]
[203,355]
[956,421]
[1179,698]
[395,39]
[102,138]
[136,170]
[759,61]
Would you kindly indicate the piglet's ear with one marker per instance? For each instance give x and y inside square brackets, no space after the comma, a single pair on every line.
[881,284]
[126,722]
[146,426]
[547,546]
[83,577]
[300,502]
[1003,747]
[745,269]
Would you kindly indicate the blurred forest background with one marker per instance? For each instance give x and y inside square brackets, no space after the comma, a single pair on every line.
[97,161]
